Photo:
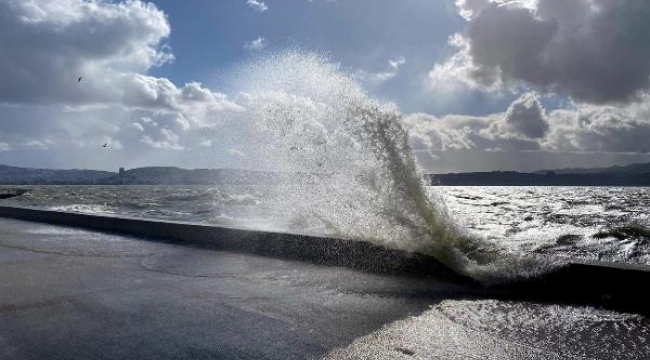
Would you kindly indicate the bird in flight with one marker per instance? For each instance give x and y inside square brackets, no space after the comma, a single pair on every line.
[80,78]
[105,145]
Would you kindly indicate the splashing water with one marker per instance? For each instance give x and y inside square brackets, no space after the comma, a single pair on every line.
[353,170]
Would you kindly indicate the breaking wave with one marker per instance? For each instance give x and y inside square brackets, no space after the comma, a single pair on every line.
[353,170]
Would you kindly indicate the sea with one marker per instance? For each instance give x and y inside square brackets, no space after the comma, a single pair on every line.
[588,223]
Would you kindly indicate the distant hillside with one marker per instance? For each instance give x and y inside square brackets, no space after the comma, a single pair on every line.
[643,168]
[177,176]
[632,175]
[549,178]
[10,175]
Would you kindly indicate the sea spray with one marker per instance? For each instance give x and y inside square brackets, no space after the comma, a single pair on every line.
[353,173]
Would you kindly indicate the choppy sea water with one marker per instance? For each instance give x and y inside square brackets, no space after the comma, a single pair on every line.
[593,223]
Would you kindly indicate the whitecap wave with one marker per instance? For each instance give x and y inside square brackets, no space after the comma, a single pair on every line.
[355,173]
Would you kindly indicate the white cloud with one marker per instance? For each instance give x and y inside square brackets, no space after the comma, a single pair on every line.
[137,126]
[526,126]
[256,45]
[236,153]
[36,144]
[458,73]
[163,144]
[595,51]
[397,63]
[525,117]
[606,129]
[257,5]
[394,66]
[48,44]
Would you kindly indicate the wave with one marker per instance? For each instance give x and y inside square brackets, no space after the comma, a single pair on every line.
[358,176]
[83,208]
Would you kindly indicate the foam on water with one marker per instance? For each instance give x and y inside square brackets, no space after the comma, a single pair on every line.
[356,175]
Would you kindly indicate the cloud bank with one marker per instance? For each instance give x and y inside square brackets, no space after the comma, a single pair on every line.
[594,51]
[49,44]
[527,126]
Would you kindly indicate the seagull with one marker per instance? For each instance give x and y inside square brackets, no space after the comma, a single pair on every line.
[80,78]
[105,145]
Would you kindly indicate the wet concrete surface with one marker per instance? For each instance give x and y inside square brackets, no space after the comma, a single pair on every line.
[74,294]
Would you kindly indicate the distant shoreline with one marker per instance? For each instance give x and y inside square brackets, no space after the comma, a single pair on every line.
[499,178]
[626,176]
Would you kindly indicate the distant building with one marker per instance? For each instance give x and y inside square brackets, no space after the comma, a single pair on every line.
[122,171]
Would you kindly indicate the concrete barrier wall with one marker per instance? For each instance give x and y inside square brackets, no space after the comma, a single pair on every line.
[319,250]
[614,286]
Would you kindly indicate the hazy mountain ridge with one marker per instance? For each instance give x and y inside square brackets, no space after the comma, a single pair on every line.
[11,175]
[631,175]
[178,176]
[155,175]
[636,168]
[511,178]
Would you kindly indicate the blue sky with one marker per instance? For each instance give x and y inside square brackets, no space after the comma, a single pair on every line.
[207,38]
[481,84]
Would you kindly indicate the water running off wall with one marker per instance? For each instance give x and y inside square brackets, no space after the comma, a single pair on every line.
[354,172]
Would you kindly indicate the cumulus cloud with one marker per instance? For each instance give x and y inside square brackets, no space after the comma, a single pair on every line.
[455,132]
[519,127]
[459,73]
[525,126]
[595,51]
[605,129]
[47,45]
[236,153]
[257,5]
[256,45]
[468,9]
[394,66]
[526,117]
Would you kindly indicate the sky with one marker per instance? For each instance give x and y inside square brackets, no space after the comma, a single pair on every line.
[482,84]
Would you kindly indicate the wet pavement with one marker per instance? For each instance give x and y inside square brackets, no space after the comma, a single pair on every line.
[75,294]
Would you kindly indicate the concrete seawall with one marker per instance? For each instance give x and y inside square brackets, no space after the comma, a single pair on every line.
[319,250]
[616,286]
